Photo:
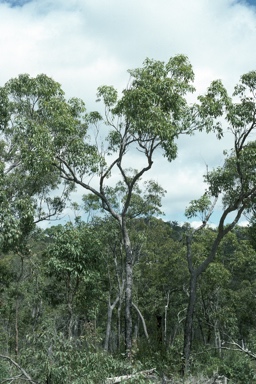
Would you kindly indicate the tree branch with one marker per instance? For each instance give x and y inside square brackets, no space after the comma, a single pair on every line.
[24,373]
[239,348]
[142,320]
[72,177]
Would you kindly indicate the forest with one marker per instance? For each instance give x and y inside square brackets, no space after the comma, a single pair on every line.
[118,294]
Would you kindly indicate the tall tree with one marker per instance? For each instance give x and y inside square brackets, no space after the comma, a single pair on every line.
[52,135]
[25,182]
[234,182]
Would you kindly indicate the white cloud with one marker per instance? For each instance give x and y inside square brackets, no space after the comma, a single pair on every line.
[244,223]
[87,43]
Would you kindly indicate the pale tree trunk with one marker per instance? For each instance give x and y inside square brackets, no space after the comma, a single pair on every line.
[70,306]
[128,290]
[17,306]
[119,325]
[217,337]
[121,286]
[142,320]
[217,330]
[109,321]
[128,304]
[165,318]
[17,326]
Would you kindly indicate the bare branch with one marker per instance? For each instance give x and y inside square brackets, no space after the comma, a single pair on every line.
[142,320]
[240,348]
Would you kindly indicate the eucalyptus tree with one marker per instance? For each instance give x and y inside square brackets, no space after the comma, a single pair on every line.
[24,184]
[52,136]
[234,182]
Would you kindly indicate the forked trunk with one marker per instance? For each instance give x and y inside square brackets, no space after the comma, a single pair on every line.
[109,322]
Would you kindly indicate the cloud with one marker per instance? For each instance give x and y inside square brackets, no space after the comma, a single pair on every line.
[86,43]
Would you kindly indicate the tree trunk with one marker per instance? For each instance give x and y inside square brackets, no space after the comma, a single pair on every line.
[70,306]
[128,290]
[109,321]
[128,305]
[189,323]
[165,318]
[217,337]
[119,325]
[16,326]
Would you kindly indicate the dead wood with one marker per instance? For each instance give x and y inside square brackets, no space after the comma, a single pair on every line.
[119,379]
[23,372]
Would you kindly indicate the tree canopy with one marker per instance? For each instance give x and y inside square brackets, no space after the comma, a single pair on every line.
[78,297]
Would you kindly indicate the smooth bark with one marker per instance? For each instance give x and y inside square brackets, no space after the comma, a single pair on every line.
[142,320]
[109,322]
[128,291]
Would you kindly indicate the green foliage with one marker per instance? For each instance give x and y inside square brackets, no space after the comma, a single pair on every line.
[199,207]
[108,94]
[56,285]
[51,356]
[235,181]
[44,126]
[238,369]
[4,370]
[225,302]
[49,130]
[154,106]
[145,199]
[74,250]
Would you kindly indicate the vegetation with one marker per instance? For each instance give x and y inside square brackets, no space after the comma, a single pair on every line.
[123,295]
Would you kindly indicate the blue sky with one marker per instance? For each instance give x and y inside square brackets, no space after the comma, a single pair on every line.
[87,43]
[251,2]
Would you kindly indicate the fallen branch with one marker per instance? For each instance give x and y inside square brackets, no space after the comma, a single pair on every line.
[119,379]
[24,373]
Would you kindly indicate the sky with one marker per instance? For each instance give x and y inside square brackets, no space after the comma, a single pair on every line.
[83,44]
